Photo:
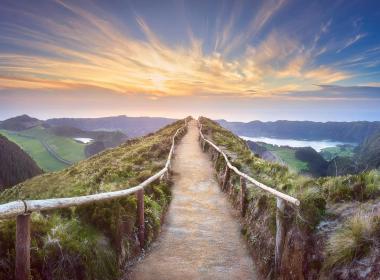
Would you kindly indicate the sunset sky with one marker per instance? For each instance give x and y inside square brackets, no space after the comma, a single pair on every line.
[238,60]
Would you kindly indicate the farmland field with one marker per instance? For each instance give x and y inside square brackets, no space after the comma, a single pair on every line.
[287,155]
[341,151]
[65,147]
[32,141]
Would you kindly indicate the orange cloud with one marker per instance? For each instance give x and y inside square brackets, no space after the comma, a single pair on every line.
[92,51]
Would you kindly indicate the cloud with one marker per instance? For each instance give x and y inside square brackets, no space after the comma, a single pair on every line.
[83,48]
[259,20]
[339,92]
[352,41]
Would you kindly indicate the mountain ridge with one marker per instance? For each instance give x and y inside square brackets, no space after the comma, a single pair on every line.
[132,126]
[354,132]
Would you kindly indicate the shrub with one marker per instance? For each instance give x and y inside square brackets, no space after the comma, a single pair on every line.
[353,241]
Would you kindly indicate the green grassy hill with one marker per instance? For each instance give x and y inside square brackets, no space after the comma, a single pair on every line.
[338,151]
[37,142]
[288,156]
[94,241]
[54,148]
[334,231]
[65,147]
[15,165]
[369,151]
[36,150]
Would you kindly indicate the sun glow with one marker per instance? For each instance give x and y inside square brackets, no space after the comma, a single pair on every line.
[110,58]
[158,81]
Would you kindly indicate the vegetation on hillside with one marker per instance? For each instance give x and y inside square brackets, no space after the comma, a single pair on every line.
[330,153]
[36,150]
[287,155]
[332,161]
[316,164]
[369,151]
[93,241]
[51,152]
[54,148]
[317,196]
[15,165]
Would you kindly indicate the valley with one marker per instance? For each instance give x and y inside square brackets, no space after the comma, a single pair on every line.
[189,140]
[302,157]
[335,148]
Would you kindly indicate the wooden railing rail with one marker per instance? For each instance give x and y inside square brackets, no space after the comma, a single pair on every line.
[23,208]
[281,198]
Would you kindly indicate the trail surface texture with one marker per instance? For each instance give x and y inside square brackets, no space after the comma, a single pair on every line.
[201,236]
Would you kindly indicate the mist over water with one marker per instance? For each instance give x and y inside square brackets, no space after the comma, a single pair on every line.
[316,145]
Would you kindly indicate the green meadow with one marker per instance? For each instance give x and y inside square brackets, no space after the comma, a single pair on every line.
[288,156]
[341,151]
[65,147]
[31,141]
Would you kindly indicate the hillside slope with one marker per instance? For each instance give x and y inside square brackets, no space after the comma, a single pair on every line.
[15,165]
[94,241]
[369,152]
[54,148]
[334,234]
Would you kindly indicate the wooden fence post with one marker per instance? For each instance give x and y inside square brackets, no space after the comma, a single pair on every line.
[226,178]
[22,271]
[140,217]
[243,192]
[280,235]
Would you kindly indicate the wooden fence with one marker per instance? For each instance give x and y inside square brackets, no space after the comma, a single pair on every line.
[281,198]
[22,209]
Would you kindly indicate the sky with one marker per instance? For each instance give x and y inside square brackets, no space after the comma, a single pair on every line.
[236,60]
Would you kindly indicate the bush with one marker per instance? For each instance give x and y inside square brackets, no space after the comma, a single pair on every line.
[312,208]
[353,241]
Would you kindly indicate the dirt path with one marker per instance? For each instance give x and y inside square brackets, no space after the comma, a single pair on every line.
[201,237]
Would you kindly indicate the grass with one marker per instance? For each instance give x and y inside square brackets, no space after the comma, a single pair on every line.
[30,141]
[341,151]
[65,147]
[92,241]
[331,189]
[287,155]
[36,150]
[354,240]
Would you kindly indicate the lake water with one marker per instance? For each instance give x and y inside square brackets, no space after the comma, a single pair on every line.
[84,140]
[316,145]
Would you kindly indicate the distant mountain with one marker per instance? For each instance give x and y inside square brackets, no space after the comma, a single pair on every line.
[369,152]
[20,123]
[15,165]
[354,132]
[132,126]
